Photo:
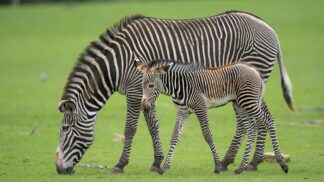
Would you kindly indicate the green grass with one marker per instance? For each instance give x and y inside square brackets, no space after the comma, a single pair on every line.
[49,37]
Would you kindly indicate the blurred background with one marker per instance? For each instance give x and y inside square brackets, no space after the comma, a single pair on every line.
[41,40]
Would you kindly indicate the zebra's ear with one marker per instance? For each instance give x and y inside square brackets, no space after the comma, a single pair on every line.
[67,106]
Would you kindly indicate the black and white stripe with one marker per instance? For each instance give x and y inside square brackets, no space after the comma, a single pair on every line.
[194,89]
[106,66]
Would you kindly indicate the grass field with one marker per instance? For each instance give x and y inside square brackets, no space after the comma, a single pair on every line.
[49,37]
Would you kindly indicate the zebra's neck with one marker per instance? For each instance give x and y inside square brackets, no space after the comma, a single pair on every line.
[96,76]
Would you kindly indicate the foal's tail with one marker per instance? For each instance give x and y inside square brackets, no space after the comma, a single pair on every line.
[285,82]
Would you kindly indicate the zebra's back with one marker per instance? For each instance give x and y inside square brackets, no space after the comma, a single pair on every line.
[213,41]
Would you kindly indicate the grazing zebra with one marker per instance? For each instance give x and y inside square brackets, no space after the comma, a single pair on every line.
[194,89]
[106,66]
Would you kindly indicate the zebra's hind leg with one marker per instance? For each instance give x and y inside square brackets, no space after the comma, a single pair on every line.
[204,124]
[250,128]
[153,125]
[182,115]
[267,119]
[230,155]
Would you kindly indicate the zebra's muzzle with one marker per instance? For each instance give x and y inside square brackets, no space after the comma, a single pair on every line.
[61,168]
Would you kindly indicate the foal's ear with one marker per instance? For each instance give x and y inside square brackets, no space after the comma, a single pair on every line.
[67,107]
[139,65]
[162,69]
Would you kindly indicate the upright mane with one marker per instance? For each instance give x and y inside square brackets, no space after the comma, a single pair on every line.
[239,11]
[176,66]
[91,53]
[115,29]
[192,67]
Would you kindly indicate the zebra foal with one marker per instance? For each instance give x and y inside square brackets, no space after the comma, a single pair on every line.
[195,89]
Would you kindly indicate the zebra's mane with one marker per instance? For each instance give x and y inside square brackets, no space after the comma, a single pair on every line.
[239,11]
[115,29]
[90,51]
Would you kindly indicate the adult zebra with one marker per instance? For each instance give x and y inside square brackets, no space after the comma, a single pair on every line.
[107,66]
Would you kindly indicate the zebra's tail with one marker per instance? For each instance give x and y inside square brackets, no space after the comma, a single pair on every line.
[285,83]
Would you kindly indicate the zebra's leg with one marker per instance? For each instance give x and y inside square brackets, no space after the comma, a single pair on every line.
[264,116]
[271,127]
[230,155]
[153,125]
[259,150]
[204,124]
[133,111]
[182,115]
[251,130]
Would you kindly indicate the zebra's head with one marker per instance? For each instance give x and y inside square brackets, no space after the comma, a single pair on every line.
[76,136]
[151,81]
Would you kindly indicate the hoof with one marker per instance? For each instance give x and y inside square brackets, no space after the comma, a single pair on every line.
[223,168]
[284,168]
[216,171]
[116,170]
[157,170]
[239,171]
[251,167]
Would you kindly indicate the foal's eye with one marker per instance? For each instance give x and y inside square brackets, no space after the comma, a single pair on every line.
[151,85]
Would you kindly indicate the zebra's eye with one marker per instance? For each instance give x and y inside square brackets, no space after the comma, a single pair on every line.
[65,128]
[151,85]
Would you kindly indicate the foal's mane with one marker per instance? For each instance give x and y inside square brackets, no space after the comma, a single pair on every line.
[192,67]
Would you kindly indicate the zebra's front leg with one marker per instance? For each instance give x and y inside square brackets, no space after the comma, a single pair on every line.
[153,125]
[204,124]
[231,153]
[182,115]
[133,111]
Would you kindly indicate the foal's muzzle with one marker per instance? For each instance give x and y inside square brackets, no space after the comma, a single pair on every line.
[145,105]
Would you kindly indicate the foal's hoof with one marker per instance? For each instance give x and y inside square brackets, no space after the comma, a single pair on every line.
[116,170]
[251,167]
[239,171]
[223,168]
[284,168]
[158,170]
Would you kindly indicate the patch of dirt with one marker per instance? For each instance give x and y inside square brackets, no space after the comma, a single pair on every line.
[118,138]
[270,157]
[312,109]
[92,166]
[313,122]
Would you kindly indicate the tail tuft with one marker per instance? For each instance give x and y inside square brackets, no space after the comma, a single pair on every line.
[285,83]
[287,95]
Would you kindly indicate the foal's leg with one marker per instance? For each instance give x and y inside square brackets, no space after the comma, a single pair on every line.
[241,118]
[203,120]
[250,129]
[182,115]
[259,150]
[264,116]
[269,122]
